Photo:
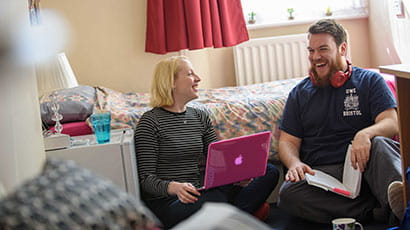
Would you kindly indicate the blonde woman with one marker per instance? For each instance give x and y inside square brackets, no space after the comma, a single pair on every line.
[171,143]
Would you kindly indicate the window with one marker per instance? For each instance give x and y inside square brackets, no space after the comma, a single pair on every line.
[269,13]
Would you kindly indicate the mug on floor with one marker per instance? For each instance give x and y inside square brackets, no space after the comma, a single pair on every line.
[346,224]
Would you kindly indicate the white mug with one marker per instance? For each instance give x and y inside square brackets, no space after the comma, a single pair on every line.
[345,224]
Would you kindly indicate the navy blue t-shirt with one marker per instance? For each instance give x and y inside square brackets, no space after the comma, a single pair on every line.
[326,119]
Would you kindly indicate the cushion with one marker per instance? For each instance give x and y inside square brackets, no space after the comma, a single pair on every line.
[391,83]
[76,128]
[76,104]
[66,196]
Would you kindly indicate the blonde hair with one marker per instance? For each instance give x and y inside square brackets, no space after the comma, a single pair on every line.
[163,81]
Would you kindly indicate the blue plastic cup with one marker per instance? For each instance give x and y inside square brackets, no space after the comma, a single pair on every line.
[101,125]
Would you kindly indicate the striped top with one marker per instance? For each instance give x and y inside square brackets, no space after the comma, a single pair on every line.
[171,147]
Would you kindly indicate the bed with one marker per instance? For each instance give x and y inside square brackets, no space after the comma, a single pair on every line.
[234,111]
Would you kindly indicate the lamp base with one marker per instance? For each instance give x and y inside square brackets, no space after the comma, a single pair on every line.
[56,141]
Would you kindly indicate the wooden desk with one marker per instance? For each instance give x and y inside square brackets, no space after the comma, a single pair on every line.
[402,73]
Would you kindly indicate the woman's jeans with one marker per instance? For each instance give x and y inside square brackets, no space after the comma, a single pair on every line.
[171,211]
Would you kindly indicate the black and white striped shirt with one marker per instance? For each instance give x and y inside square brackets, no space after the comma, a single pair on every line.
[171,147]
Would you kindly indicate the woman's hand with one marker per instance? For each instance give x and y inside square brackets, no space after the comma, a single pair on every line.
[184,191]
[244,183]
[297,172]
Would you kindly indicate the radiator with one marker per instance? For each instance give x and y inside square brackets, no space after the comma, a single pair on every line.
[271,58]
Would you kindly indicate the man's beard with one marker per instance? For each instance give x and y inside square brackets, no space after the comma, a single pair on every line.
[325,81]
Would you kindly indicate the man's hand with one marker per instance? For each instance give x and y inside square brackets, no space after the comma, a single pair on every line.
[360,151]
[386,124]
[297,172]
[184,191]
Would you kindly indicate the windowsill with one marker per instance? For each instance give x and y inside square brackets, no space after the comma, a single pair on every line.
[305,21]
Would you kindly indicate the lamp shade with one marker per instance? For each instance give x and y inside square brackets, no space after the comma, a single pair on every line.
[55,74]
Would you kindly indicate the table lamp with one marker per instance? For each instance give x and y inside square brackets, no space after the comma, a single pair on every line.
[52,75]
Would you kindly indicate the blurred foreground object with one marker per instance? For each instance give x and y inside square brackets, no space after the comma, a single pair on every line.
[22,151]
[221,216]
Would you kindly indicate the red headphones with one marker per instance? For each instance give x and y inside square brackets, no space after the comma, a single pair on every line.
[338,78]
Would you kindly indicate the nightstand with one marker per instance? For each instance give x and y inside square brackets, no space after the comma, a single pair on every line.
[115,160]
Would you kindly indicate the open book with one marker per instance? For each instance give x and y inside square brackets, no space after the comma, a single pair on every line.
[352,179]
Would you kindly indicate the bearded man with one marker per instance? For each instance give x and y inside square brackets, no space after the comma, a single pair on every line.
[335,106]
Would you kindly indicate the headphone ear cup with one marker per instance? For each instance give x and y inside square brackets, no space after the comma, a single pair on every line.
[312,79]
[338,79]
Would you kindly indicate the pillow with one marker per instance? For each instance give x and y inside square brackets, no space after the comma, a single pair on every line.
[76,104]
[391,83]
[66,196]
[75,128]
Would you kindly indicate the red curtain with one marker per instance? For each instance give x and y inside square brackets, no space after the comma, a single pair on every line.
[173,25]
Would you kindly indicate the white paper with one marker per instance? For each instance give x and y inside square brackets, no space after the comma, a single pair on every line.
[352,179]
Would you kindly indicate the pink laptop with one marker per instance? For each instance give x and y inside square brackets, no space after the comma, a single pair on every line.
[236,159]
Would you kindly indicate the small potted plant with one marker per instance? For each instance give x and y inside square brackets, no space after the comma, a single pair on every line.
[251,19]
[328,11]
[290,11]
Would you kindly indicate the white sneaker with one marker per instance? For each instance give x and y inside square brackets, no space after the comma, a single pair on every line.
[396,198]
